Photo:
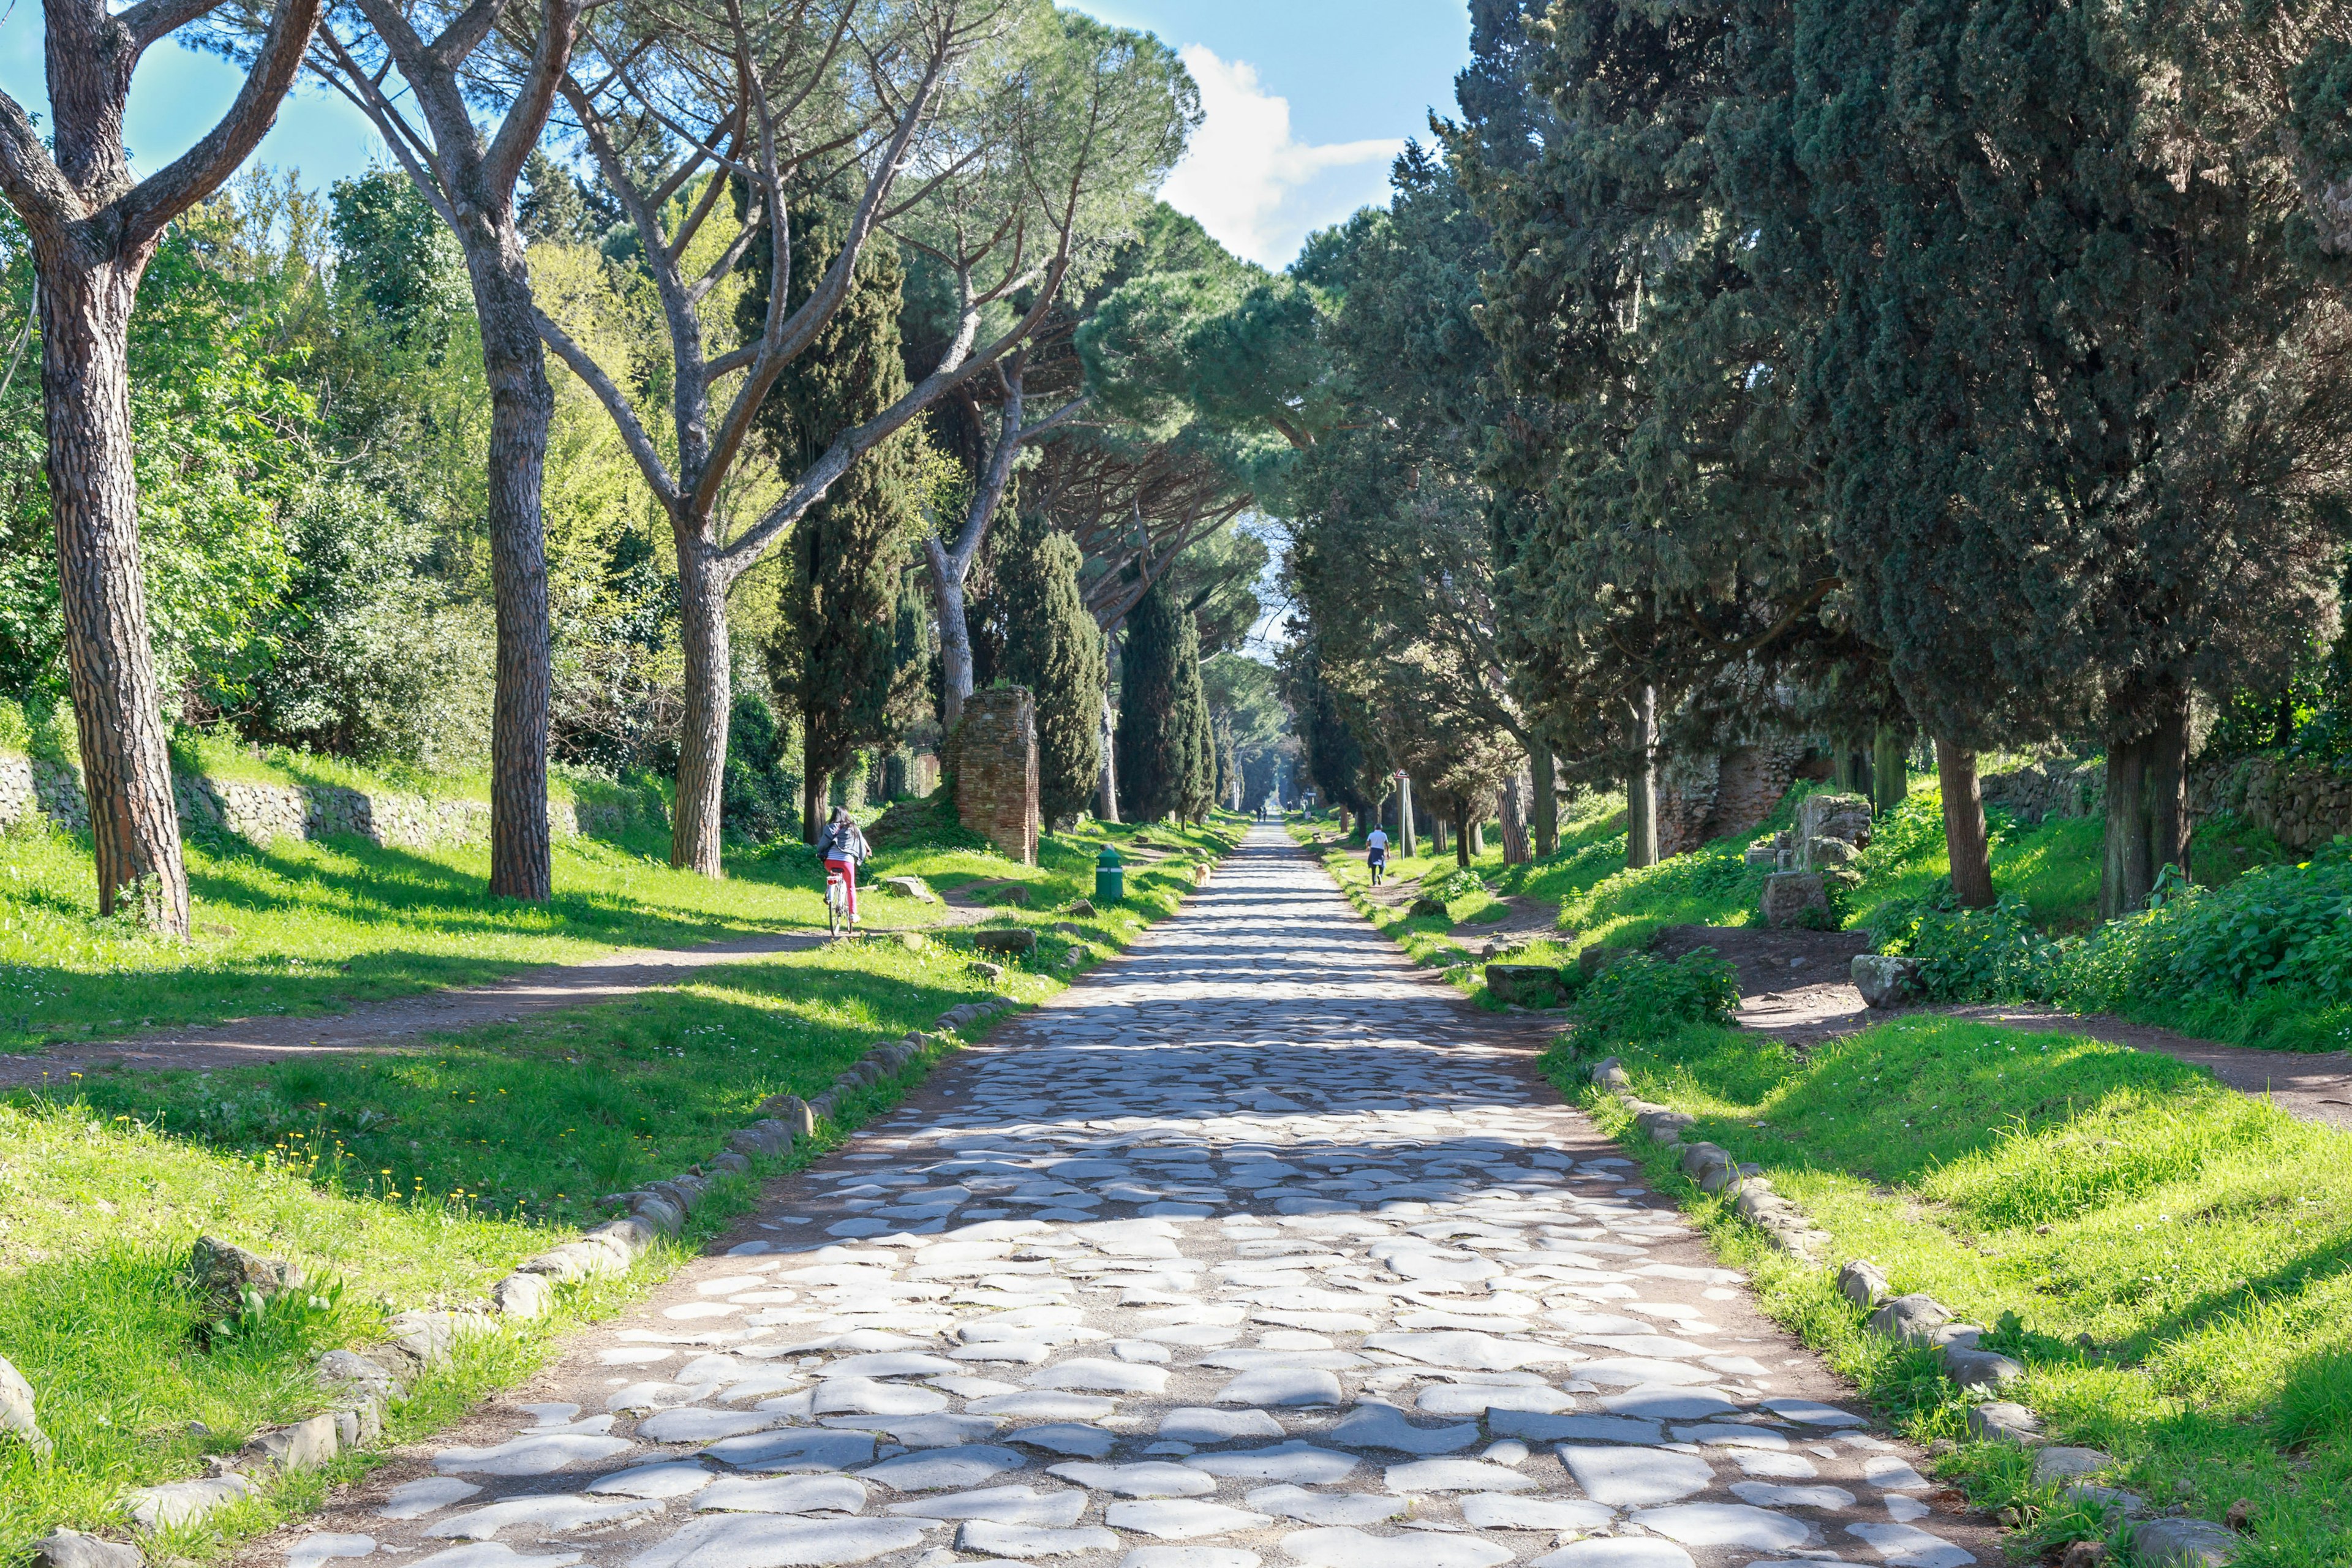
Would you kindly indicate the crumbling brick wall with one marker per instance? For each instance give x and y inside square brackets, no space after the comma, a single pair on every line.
[996,746]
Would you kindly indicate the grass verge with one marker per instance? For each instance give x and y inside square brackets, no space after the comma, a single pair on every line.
[313,927]
[2169,1258]
[417,1178]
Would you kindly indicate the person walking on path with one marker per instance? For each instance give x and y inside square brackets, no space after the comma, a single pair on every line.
[1376,853]
[841,846]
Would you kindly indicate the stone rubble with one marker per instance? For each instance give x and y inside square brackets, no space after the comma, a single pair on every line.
[1244,1251]
[17,1410]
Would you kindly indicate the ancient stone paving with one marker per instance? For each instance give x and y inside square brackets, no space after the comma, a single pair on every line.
[1253,1247]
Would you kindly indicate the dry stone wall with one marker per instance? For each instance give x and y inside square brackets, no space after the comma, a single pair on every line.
[2303,804]
[2059,787]
[31,786]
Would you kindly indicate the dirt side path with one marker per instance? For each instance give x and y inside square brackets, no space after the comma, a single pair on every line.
[1793,987]
[377,1026]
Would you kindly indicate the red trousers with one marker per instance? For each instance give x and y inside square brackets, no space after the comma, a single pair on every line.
[848,869]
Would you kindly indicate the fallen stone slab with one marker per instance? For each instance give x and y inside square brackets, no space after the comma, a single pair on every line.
[1523,984]
[225,1273]
[2001,1421]
[913,888]
[304,1446]
[1011,940]
[71,1548]
[1885,980]
[1913,1319]
[2183,1544]
[184,1502]
[1864,1284]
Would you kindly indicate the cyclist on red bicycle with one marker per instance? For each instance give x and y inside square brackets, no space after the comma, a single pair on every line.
[841,847]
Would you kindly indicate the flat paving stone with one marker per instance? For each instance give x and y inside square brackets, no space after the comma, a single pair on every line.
[1256,1247]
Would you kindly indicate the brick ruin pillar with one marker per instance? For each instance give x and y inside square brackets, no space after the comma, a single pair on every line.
[995,747]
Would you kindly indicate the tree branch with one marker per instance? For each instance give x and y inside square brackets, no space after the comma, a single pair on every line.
[155,201]
[152,20]
[34,185]
[525,119]
[625,419]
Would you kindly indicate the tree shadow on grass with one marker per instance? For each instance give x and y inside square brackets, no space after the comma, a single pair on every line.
[538,1119]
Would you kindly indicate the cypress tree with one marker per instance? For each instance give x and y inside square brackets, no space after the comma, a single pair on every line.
[1053,647]
[2087,414]
[1198,746]
[1157,750]
[838,649]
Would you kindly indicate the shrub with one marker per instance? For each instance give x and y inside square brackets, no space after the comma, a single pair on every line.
[1456,882]
[2275,928]
[761,800]
[1642,997]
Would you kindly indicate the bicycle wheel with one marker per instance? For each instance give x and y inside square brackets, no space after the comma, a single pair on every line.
[833,906]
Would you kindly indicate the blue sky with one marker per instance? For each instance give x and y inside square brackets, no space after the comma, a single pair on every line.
[1307,100]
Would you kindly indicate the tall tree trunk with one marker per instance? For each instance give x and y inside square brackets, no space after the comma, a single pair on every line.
[86,308]
[812,795]
[695,843]
[1107,808]
[955,634]
[1890,778]
[1514,819]
[1407,839]
[1964,826]
[1853,771]
[1545,786]
[522,405]
[2148,812]
[1437,834]
[1474,832]
[1462,831]
[1641,785]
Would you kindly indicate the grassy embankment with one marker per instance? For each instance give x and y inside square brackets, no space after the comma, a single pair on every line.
[2048,874]
[2169,1258]
[2054,867]
[417,1179]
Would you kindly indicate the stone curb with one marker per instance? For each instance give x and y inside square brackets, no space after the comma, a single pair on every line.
[362,1382]
[2175,1540]
[1712,1167]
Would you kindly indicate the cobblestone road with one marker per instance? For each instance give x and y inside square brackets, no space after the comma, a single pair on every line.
[1254,1248]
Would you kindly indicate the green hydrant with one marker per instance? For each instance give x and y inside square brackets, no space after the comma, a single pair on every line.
[1111,878]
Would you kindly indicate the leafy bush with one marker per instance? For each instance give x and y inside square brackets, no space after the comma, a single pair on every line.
[1457,882]
[760,797]
[1912,831]
[1642,997]
[1966,955]
[2274,928]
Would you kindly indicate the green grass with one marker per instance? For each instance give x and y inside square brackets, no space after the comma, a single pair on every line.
[2168,1258]
[305,927]
[418,1178]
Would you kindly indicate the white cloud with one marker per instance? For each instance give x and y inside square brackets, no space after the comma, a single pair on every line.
[1253,187]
